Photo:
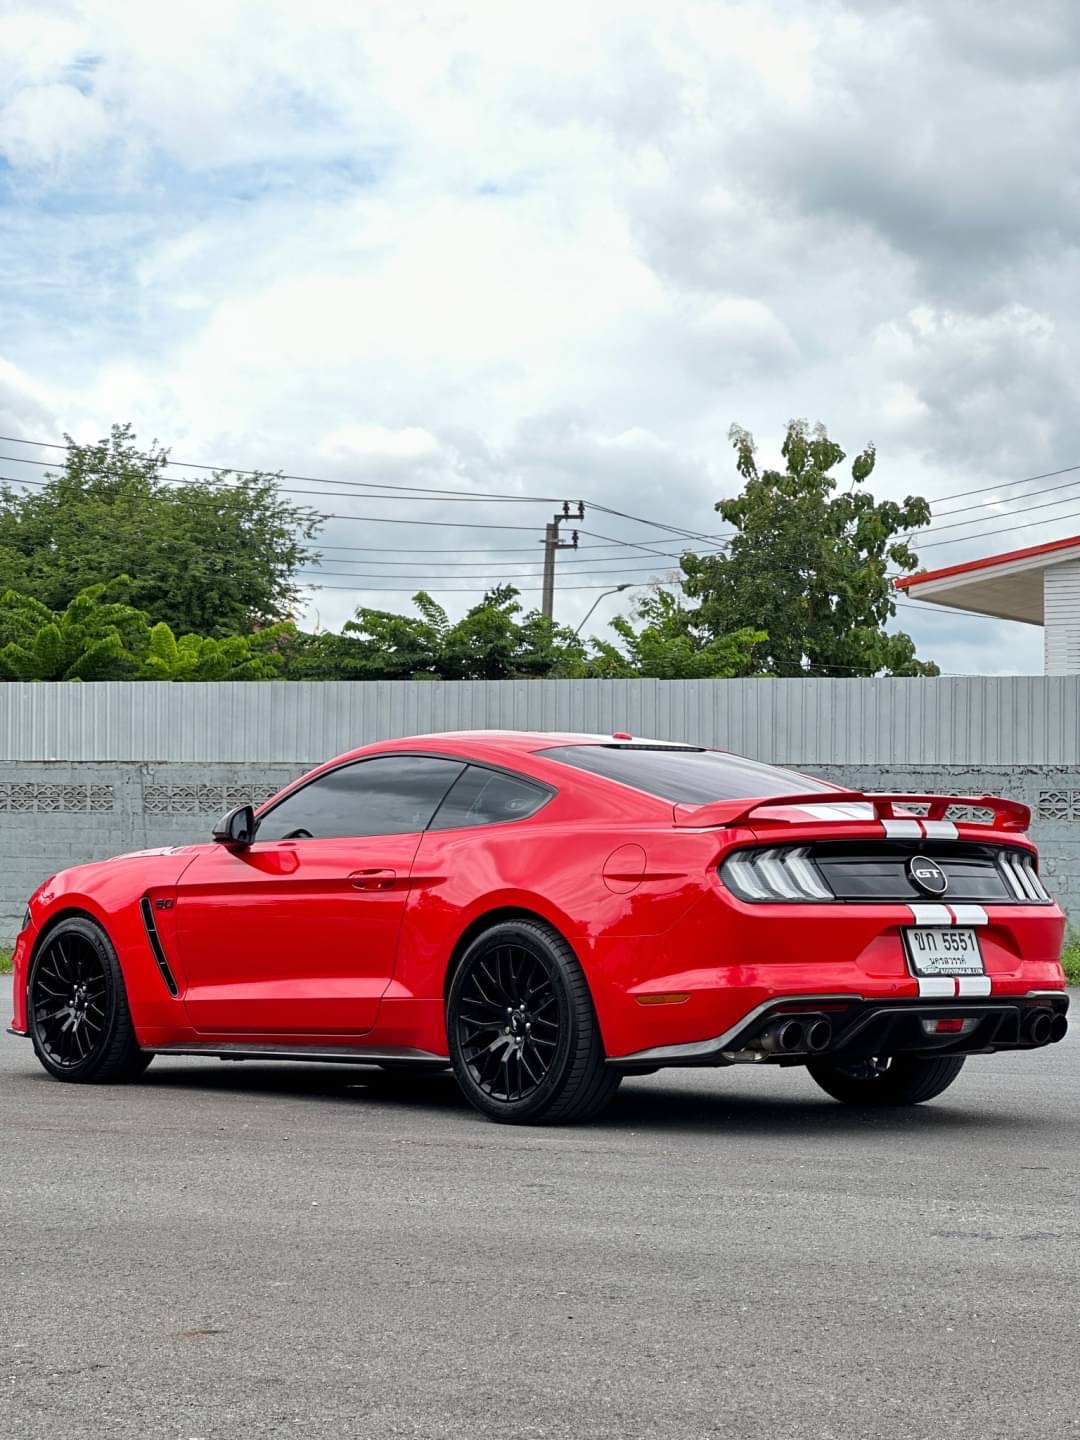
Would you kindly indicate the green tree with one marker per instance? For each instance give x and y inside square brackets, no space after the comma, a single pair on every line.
[99,636]
[202,657]
[672,644]
[492,641]
[212,555]
[810,566]
[96,637]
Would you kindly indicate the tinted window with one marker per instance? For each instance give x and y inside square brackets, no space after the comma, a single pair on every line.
[486,797]
[685,777]
[391,795]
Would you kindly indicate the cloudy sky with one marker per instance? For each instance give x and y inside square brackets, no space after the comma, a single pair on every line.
[553,250]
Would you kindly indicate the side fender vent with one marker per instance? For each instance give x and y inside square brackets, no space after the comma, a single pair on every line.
[155,945]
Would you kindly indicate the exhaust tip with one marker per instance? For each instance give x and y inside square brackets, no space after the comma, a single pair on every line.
[1040,1027]
[789,1036]
[1058,1028]
[818,1035]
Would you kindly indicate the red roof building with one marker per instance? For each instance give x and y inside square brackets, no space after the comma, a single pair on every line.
[1037,586]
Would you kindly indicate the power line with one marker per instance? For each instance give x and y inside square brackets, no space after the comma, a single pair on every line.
[441,549]
[366,519]
[983,534]
[670,531]
[1018,499]
[390,520]
[659,525]
[944,610]
[417,492]
[959,524]
[495,557]
[581,567]
[489,575]
[428,492]
[451,590]
[420,491]
[629,544]
[1001,484]
[442,496]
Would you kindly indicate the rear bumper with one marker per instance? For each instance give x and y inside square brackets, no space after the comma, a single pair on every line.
[859,1027]
[725,958]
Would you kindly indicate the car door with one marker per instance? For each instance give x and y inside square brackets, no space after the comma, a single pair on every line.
[297,933]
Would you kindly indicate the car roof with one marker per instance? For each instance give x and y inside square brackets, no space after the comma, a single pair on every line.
[496,747]
[517,742]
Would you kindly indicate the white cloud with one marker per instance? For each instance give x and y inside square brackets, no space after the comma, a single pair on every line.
[50,125]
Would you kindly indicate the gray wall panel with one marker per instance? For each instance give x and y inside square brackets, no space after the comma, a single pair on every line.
[1028,720]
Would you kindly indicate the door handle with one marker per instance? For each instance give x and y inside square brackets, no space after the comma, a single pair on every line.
[372,879]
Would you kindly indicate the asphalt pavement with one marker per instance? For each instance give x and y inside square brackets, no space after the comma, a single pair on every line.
[239,1251]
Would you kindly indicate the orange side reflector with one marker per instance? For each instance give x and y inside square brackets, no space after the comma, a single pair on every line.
[679,997]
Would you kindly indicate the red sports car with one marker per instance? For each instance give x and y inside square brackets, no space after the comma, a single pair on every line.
[549,913]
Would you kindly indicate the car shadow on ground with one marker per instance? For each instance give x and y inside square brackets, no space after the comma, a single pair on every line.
[639,1108]
[642,1105]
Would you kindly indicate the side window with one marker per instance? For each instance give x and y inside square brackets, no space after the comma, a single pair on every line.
[387,795]
[486,797]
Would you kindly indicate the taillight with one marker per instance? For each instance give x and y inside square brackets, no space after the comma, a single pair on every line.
[784,874]
[1021,876]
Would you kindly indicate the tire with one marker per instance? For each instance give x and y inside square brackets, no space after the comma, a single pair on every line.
[520,983]
[888,1080]
[77,1008]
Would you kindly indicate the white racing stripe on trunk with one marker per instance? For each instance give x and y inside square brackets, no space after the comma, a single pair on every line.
[931,914]
[936,986]
[834,812]
[939,829]
[903,829]
[975,984]
[970,915]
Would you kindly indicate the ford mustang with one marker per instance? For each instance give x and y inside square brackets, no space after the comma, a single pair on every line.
[548,913]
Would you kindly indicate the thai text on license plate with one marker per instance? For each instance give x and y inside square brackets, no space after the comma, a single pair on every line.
[953,951]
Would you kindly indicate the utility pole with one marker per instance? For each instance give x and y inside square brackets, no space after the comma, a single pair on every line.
[553,542]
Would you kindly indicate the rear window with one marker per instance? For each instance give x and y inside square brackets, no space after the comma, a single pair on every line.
[488,797]
[685,776]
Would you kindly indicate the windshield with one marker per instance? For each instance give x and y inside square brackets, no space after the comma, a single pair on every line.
[686,775]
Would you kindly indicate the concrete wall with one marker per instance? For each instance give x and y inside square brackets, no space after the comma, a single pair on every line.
[88,771]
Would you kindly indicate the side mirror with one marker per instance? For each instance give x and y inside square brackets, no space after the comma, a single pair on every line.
[237,827]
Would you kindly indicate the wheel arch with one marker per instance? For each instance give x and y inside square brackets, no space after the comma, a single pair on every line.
[57,917]
[148,999]
[498,916]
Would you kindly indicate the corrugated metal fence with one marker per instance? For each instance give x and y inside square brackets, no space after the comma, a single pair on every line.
[1027,721]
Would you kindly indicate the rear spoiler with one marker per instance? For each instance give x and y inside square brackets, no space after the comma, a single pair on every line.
[1007,814]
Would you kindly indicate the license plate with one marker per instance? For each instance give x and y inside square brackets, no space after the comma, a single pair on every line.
[943,952]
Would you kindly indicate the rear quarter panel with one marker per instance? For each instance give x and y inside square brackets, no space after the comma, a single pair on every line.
[615,921]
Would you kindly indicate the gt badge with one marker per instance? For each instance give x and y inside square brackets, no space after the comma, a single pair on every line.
[927,876]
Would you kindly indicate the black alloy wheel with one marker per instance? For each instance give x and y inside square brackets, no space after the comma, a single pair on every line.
[77,1007]
[510,1022]
[524,1041]
[887,1079]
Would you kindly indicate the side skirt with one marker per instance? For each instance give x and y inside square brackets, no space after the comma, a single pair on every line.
[314,1054]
